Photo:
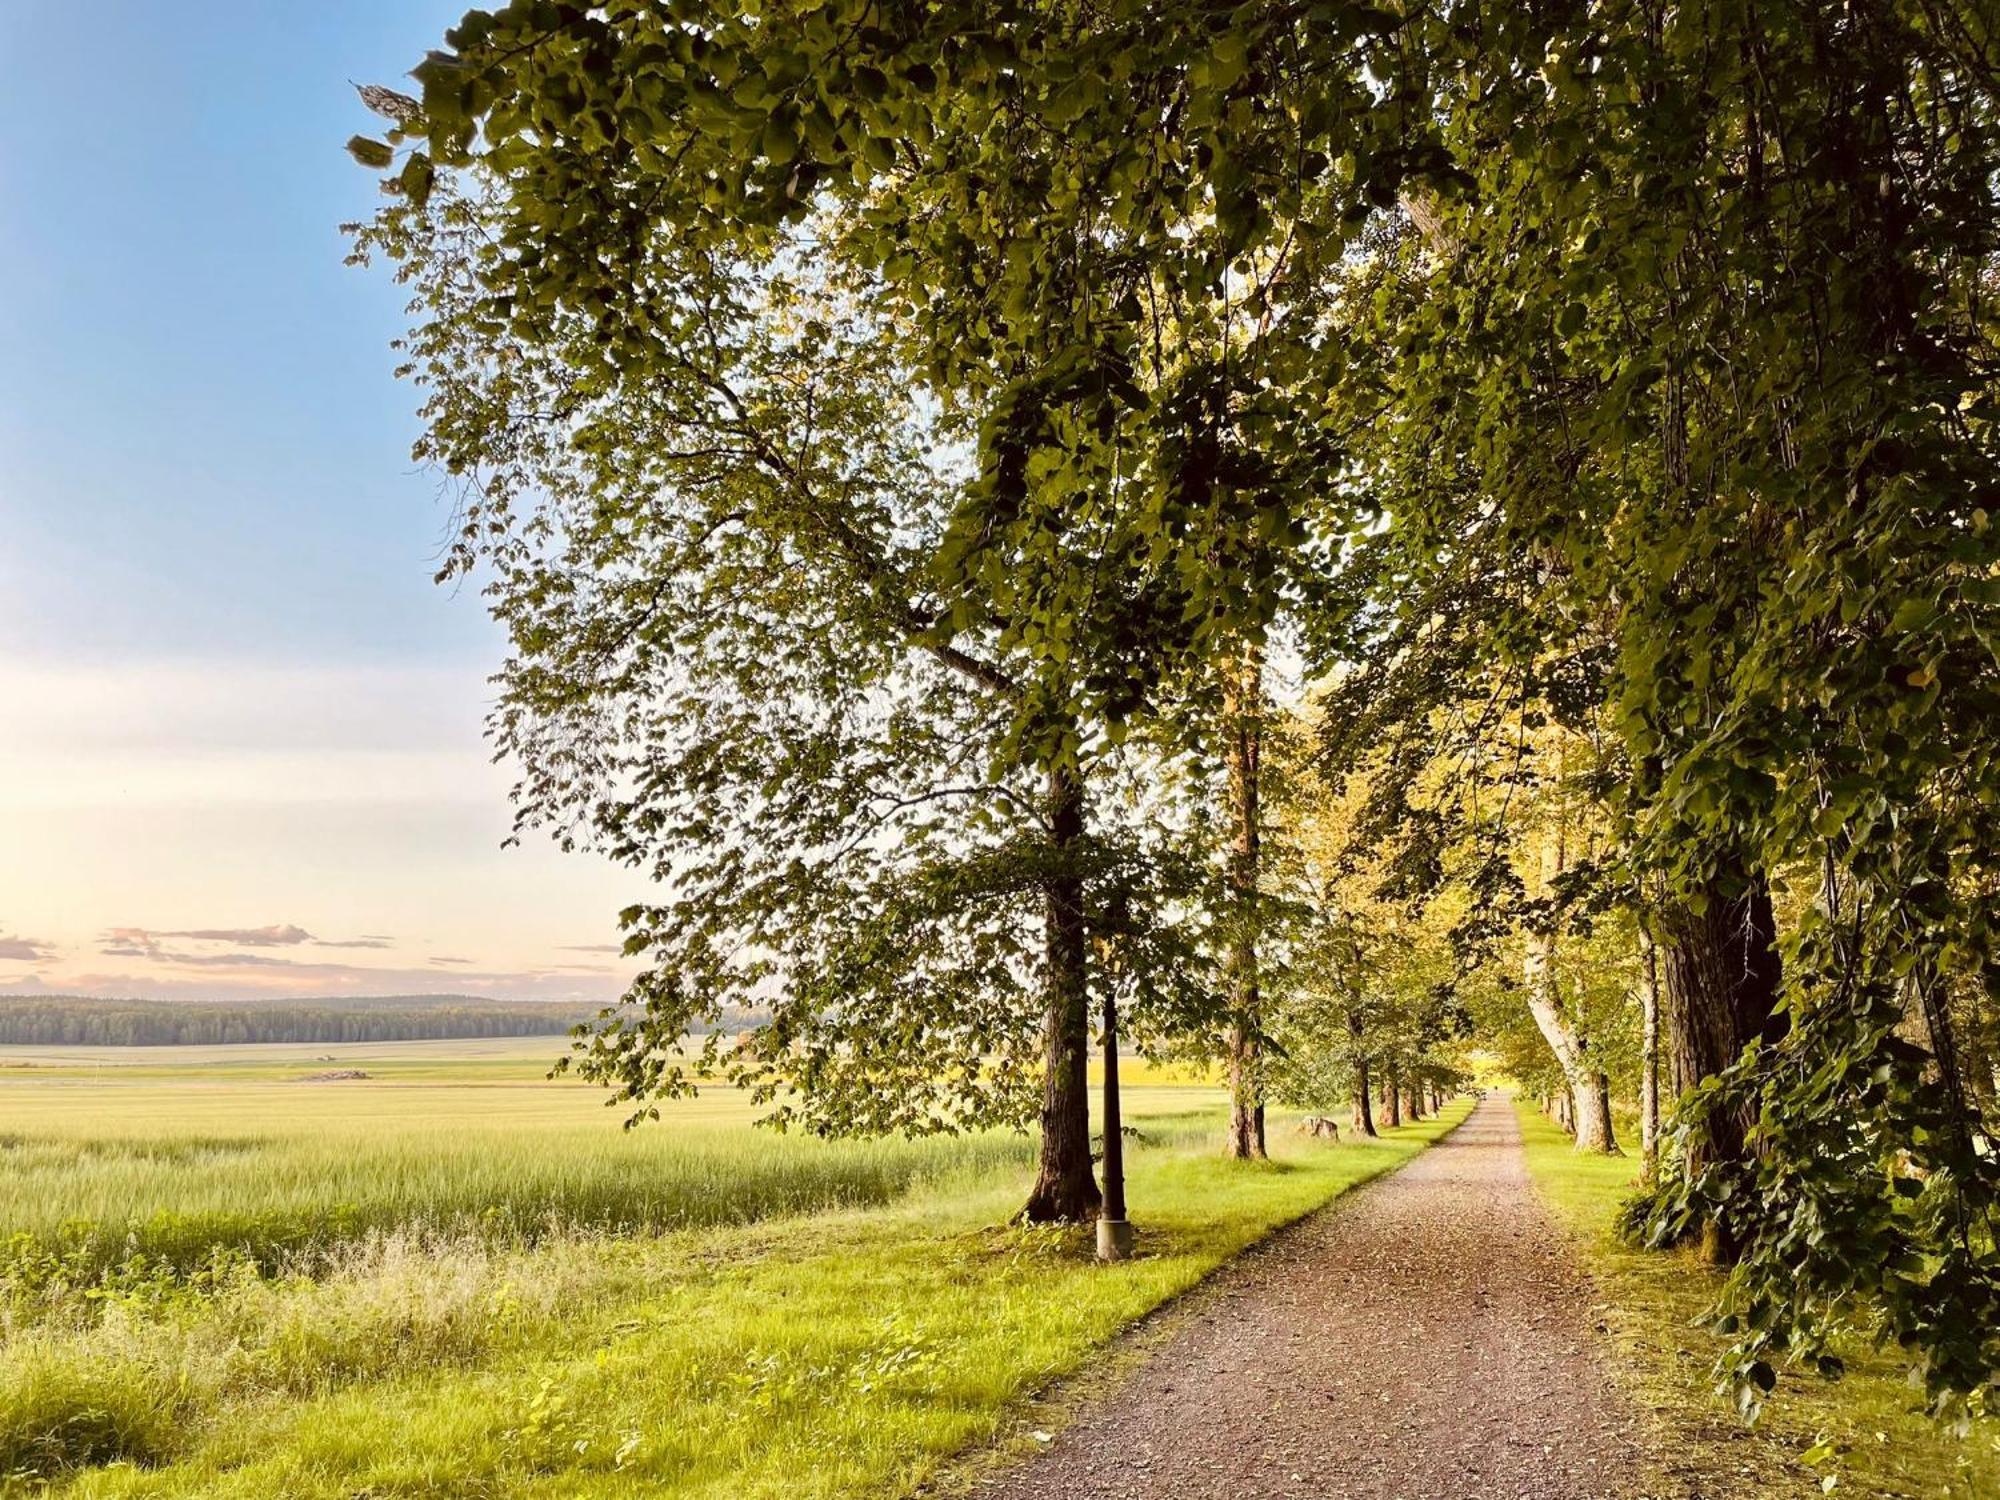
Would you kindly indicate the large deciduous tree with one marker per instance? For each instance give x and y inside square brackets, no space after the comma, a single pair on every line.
[732,670]
[1680,341]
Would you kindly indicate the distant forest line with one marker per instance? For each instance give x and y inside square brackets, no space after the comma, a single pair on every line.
[87,1021]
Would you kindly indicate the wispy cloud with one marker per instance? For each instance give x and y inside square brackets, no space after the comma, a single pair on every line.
[148,942]
[233,960]
[25,950]
[138,942]
[445,959]
[593,948]
[277,935]
[129,942]
[173,798]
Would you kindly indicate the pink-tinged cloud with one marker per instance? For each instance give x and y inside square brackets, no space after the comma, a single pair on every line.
[277,935]
[229,960]
[152,948]
[148,942]
[439,959]
[25,950]
[129,942]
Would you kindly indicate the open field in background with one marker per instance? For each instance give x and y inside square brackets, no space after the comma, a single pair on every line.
[465,1281]
[1866,1432]
[507,1059]
[101,1161]
[103,1157]
[524,1060]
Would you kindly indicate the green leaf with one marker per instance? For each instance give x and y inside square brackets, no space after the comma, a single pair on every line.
[417,178]
[370,153]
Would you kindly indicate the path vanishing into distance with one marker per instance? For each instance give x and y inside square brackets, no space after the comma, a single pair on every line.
[1425,1337]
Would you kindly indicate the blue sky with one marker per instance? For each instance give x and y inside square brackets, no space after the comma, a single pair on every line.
[233,698]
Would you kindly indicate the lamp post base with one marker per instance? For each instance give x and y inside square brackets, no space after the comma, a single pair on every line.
[1114,1239]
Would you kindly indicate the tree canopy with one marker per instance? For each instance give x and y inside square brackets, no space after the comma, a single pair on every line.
[901,439]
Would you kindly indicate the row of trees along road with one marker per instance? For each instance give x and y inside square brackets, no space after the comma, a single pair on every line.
[910,447]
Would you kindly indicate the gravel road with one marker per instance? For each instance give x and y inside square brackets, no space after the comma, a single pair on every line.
[1425,1338]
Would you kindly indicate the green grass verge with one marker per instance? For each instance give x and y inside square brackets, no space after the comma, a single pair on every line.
[1867,1433]
[849,1353]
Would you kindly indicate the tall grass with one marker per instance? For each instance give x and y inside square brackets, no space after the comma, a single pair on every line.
[165,1173]
[255,1288]
[281,1201]
[842,1354]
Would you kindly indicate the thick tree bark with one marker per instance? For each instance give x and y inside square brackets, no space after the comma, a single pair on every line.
[1242,703]
[1413,1103]
[1649,1055]
[1977,1058]
[1722,974]
[1064,1188]
[1364,1117]
[1246,1095]
[1392,1097]
[1590,1108]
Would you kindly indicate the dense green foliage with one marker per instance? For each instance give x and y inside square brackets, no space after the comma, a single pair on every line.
[1708,338]
[87,1021]
[1619,375]
[1864,1436]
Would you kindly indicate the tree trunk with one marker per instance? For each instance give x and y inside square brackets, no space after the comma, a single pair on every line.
[1114,1133]
[1064,1188]
[1978,1063]
[1246,1095]
[1722,974]
[1242,703]
[1588,1087]
[1413,1105]
[1649,1055]
[1364,1117]
[1392,1097]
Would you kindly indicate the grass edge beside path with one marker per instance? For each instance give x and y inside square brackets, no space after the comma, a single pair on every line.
[855,1356]
[1865,1433]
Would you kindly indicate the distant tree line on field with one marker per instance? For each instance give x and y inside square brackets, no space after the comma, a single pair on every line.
[75,1020]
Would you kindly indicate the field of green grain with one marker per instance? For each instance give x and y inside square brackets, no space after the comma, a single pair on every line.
[455,1278]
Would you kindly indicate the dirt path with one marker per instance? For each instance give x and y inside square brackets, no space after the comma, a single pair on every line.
[1425,1339]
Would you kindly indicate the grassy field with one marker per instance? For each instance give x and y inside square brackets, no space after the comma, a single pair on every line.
[455,1279]
[1866,1433]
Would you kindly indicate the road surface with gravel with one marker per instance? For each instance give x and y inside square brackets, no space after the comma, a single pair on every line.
[1427,1337]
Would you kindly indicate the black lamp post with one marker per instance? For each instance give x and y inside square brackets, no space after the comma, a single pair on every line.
[1114,1232]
